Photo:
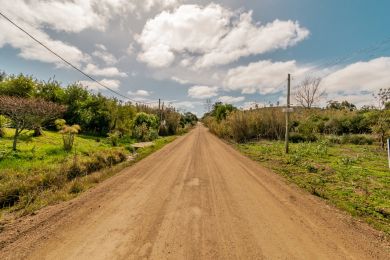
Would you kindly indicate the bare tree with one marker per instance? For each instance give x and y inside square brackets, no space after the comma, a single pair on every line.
[383,97]
[309,92]
[28,113]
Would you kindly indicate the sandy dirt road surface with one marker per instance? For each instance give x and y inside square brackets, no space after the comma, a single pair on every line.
[197,198]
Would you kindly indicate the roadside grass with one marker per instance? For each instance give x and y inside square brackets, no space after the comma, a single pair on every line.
[355,178]
[42,173]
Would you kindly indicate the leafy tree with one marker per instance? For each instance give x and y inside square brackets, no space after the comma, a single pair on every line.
[149,120]
[341,106]
[221,111]
[18,86]
[28,113]
[50,91]
[188,118]
[381,126]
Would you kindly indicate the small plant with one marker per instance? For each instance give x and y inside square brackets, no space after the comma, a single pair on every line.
[68,133]
[114,137]
[348,161]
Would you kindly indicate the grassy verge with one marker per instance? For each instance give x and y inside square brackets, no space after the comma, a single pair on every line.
[355,178]
[41,173]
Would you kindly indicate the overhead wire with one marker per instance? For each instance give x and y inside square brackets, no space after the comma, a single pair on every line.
[72,65]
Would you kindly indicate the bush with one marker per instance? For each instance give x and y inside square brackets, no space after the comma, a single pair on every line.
[297,138]
[356,139]
[114,137]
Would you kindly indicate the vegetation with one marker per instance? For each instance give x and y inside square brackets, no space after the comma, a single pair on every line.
[41,172]
[336,153]
[27,113]
[96,114]
[95,133]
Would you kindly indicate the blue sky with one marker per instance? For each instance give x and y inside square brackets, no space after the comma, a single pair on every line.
[186,51]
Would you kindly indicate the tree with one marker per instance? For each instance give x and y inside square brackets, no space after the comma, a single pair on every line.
[381,126]
[383,97]
[309,92]
[18,86]
[341,106]
[28,113]
[221,111]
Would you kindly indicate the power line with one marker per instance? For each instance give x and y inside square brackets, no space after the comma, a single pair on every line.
[70,64]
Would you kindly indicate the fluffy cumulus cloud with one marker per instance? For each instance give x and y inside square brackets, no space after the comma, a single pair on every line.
[94,70]
[202,92]
[202,37]
[360,76]
[111,83]
[264,77]
[356,82]
[230,99]
[69,17]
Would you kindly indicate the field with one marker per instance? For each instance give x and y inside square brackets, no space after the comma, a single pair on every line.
[352,177]
[41,172]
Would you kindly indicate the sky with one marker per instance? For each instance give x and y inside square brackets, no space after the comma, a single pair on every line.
[185,52]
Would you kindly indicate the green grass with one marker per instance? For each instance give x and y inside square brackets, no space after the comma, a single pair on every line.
[41,173]
[355,178]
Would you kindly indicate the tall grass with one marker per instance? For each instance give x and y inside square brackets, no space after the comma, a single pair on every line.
[242,126]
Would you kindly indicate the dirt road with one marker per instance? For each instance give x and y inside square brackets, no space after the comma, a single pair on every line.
[197,198]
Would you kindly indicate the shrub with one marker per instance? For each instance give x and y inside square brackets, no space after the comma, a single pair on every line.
[297,138]
[114,137]
[356,139]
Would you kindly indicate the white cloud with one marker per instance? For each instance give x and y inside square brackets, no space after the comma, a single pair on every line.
[201,92]
[102,53]
[360,76]
[356,82]
[31,50]
[159,56]
[264,77]
[211,35]
[139,93]
[230,100]
[111,83]
[185,104]
[149,4]
[105,72]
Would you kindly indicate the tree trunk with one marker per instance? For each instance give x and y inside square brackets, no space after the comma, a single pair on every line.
[15,139]
[38,131]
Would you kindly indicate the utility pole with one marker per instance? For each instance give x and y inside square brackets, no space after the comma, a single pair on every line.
[287,113]
[159,109]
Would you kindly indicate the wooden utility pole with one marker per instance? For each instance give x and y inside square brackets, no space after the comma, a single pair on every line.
[159,109]
[287,113]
